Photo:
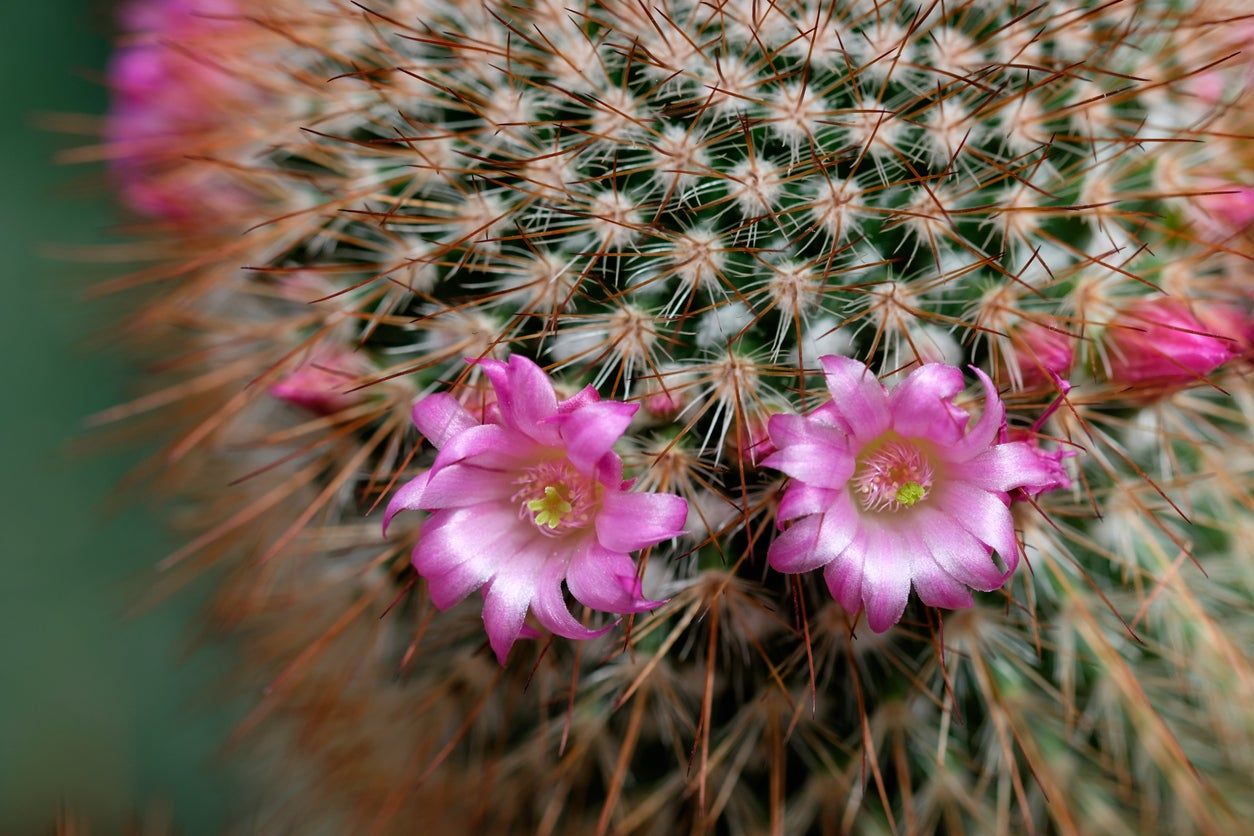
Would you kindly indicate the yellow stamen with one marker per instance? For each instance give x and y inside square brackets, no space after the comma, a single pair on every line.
[550,508]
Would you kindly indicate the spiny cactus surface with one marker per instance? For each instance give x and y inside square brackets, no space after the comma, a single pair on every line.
[650,259]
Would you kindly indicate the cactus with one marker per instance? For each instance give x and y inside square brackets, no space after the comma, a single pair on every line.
[699,209]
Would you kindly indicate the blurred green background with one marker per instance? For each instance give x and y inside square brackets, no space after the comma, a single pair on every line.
[112,716]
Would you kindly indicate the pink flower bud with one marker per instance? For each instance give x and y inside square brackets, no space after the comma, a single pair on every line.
[322,383]
[1232,322]
[1159,342]
[1227,209]
[1208,86]
[663,404]
[1041,352]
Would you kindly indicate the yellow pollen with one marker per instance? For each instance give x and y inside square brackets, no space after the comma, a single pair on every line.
[550,508]
[910,493]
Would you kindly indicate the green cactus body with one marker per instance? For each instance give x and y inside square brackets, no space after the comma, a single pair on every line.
[686,204]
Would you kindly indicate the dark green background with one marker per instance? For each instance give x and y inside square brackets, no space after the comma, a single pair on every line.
[109,715]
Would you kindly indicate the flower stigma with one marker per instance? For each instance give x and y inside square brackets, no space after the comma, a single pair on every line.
[550,508]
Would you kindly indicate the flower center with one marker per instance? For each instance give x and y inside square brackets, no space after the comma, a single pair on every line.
[556,498]
[895,476]
[550,508]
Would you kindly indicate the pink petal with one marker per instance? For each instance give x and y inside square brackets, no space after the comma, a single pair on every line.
[489,446]
[505,603]
[609,470]
[809,451]
[462,484]
[956,551]
[450,588]
[935,586]
[797,549]
[479,534]
[857,396]
[815,540]
[631,521]
[606,580]
[829,415]
[981,436]
[406,499]
[524,395]
[586,395]
[549,605]
[844,574]
[938,588]
[591,431]
[800,500]
[1004,467]
[441,416]
[985,515]
[885,579]
[922,405]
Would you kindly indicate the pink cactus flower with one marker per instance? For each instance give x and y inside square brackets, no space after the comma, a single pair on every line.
[893,489]
[1159,343]
[530,498]
[323,382]
[1043,353]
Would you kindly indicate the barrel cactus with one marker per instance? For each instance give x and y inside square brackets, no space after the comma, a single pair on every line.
[841,407]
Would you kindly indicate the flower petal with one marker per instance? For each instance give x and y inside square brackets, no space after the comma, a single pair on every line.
[922,404]
[797,548]
[586,395]
[549,605]
[986,431]
[461,484]
[478,534]
[830,416]
[591,431]
[816,540]
[809,451]
[606,580]
[406,499]
[800,500]
[986,516]
[844,574]
[441,416]
[885,579]
[631,521]
[505,603]
[1004,467]
[488,446]
[956,551]
[524,395]
[450,588]
[934,586]
[857,395]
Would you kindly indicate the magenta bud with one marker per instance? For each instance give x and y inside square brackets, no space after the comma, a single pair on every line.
[1159,342]
[323,383]
[1042,352]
